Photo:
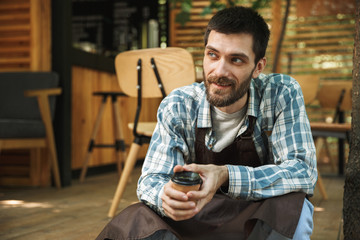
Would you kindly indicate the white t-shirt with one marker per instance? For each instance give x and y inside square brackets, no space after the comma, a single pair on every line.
[226,126]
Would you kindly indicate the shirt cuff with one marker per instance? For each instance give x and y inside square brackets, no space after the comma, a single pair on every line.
[159,203]
[239,182]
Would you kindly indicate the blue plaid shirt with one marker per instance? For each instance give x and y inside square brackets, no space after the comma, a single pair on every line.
[288,153]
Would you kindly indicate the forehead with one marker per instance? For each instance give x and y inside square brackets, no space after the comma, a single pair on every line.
[230,44]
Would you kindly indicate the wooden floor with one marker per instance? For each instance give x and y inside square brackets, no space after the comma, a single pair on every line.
[80,211]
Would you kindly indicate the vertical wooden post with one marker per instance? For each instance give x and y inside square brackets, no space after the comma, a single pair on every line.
[40,35]
[275,30]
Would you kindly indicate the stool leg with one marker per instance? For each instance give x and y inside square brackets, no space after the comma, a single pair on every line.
[119,137]
[91,143]
[129,166]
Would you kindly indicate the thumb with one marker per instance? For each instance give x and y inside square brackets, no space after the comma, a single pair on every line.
[178,168]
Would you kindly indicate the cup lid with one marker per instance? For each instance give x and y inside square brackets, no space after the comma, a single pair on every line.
[186,178]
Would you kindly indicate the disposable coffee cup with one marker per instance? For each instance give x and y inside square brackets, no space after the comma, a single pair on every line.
[186,181]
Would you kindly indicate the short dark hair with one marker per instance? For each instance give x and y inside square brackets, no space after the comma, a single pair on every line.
[241,20]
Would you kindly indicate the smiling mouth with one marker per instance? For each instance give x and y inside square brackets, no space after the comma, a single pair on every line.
[222,85]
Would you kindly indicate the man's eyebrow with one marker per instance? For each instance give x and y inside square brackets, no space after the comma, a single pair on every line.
[211,48]
[239,54]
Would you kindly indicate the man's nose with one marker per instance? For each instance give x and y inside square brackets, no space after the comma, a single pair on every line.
[221,68]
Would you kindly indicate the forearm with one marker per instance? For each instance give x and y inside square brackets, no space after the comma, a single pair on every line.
[150,190]
[271,180]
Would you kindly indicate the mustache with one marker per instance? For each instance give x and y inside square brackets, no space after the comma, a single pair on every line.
[221,80]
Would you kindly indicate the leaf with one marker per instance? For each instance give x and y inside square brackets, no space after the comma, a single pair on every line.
[186,6]
[182,18]
[231,3]
[260,4]
[206,10]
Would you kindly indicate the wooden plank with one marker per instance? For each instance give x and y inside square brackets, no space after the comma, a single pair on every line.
[331,127]
[325,19]
[14,17]
[14,38]
[320,49]
[345,55]
[190,38]
[40,35]
[14,5]
[322,72]
[22,143]
[10,68]
[339,40]
[15,181]
[14,171]
[15,27]
[189,31]
[15,60]
[312,28]
[276,31]
[345,32]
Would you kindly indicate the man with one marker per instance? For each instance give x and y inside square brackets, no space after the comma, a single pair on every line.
[247,135]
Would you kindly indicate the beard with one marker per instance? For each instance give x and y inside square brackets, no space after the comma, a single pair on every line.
[220,97]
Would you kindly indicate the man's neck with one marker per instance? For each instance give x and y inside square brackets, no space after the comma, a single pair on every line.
[236,106]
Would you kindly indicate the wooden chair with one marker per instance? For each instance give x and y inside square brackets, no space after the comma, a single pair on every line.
[25,122]
[148,73]
[336,96]
[309,86]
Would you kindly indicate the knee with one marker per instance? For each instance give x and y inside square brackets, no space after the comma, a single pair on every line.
[305,225]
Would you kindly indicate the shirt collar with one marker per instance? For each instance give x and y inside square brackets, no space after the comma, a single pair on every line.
[204,114]
[254,101]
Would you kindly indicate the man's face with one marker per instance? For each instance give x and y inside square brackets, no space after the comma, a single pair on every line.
[228,67]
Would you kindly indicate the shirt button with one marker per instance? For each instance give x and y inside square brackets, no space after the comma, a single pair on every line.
[210,146]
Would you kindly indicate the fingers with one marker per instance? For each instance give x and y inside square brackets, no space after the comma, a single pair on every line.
[176,204]
[179,210]
[192,167]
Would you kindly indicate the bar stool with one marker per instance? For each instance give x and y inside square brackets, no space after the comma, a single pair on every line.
[119,143]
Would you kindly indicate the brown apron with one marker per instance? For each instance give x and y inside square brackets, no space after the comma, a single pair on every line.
[222,217]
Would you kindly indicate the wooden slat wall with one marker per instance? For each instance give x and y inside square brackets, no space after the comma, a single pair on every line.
[15,35]
[85,109]
[25,35]
[321,45]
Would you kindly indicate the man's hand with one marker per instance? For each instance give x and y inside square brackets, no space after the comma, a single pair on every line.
[213,177]
[180,206]
[176,204]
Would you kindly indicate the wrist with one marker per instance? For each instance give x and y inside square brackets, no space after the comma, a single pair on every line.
[224,176]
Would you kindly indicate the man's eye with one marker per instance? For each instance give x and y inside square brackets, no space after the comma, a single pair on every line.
[236,60]
[211,54]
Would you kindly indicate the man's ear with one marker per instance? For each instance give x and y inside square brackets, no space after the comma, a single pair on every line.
[260,66]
